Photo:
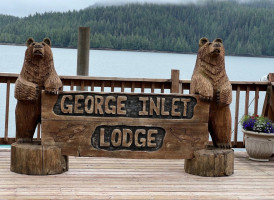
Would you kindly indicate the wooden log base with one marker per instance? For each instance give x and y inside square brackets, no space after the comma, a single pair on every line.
[35,159]
[211,162]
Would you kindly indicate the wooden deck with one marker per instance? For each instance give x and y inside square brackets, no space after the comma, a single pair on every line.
[108,178]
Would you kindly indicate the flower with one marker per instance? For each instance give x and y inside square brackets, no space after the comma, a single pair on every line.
[257,123]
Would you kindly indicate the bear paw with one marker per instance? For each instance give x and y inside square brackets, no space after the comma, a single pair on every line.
[224,145]
[25,90]
[51,91]
[33,93]
[205,96]
[224,97]
[218,96]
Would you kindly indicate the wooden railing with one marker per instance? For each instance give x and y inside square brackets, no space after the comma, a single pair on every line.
[141,85]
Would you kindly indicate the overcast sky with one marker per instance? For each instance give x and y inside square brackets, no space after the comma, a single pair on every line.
[23,8]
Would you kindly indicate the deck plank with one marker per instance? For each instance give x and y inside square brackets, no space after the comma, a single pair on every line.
[109,178]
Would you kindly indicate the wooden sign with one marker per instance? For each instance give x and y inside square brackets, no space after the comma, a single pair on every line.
[125,125]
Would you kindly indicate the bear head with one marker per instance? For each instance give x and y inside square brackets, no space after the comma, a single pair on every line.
[38,50]
[211,52]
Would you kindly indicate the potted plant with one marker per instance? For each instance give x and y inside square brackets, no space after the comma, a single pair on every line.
[259,137]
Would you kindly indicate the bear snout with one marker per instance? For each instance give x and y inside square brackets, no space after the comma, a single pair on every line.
[38,50]
[216,45]
[216,51]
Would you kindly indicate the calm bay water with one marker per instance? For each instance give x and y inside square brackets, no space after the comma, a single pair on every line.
[133,65]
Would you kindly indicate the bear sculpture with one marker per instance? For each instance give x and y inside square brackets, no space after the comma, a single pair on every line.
[210,81]
[38,73]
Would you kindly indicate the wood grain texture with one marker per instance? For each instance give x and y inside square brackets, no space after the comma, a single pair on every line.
[73,133]
[115,178]
[211,83]
[35,159]
[160,84]
[271,77]
[256,101]
[211,162]
[236,119]
[175,78]
[37,73]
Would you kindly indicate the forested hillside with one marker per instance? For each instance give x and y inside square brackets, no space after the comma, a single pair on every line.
[246,29]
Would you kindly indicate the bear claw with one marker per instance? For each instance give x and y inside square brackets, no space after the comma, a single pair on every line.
[54,91]
[205,98]
[223,145]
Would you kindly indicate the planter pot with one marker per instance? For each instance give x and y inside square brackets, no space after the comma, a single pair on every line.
[259,146]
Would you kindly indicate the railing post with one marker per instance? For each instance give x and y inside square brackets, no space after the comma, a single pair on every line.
[7,112]
[176,87]
[83,52]
[39,131]
[268,108]
[256,100]
[271,77]
[247,100]
[236,116]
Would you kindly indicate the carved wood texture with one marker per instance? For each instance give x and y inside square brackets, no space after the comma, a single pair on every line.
[79,131]
[210,81]
[38,73]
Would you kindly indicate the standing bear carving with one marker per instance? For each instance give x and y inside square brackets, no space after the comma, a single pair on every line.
[210,81]
[38,73]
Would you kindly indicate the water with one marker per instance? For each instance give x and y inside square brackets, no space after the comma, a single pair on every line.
[133,65]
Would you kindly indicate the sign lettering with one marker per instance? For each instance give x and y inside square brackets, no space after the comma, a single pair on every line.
[125,125]
[122,105]
[133,138]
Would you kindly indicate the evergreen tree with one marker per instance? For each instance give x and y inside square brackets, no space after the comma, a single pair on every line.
[246,28]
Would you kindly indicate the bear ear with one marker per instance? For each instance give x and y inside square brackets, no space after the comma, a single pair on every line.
[218,40]
[202,41]
[29,41]
[47,41]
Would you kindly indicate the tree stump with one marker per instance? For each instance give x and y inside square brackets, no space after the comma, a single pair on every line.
[212,162]
[35,159]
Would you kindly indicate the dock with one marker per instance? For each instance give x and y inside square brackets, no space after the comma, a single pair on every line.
[112,178]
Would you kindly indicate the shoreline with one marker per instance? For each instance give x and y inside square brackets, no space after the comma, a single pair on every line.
[148,51]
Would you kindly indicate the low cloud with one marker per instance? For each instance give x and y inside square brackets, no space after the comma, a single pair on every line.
[120,2]
[29,7]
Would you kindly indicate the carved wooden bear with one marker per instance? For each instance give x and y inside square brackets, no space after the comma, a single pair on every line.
[210,81]
[38,73]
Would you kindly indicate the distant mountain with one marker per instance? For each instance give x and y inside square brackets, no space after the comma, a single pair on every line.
[246,28]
